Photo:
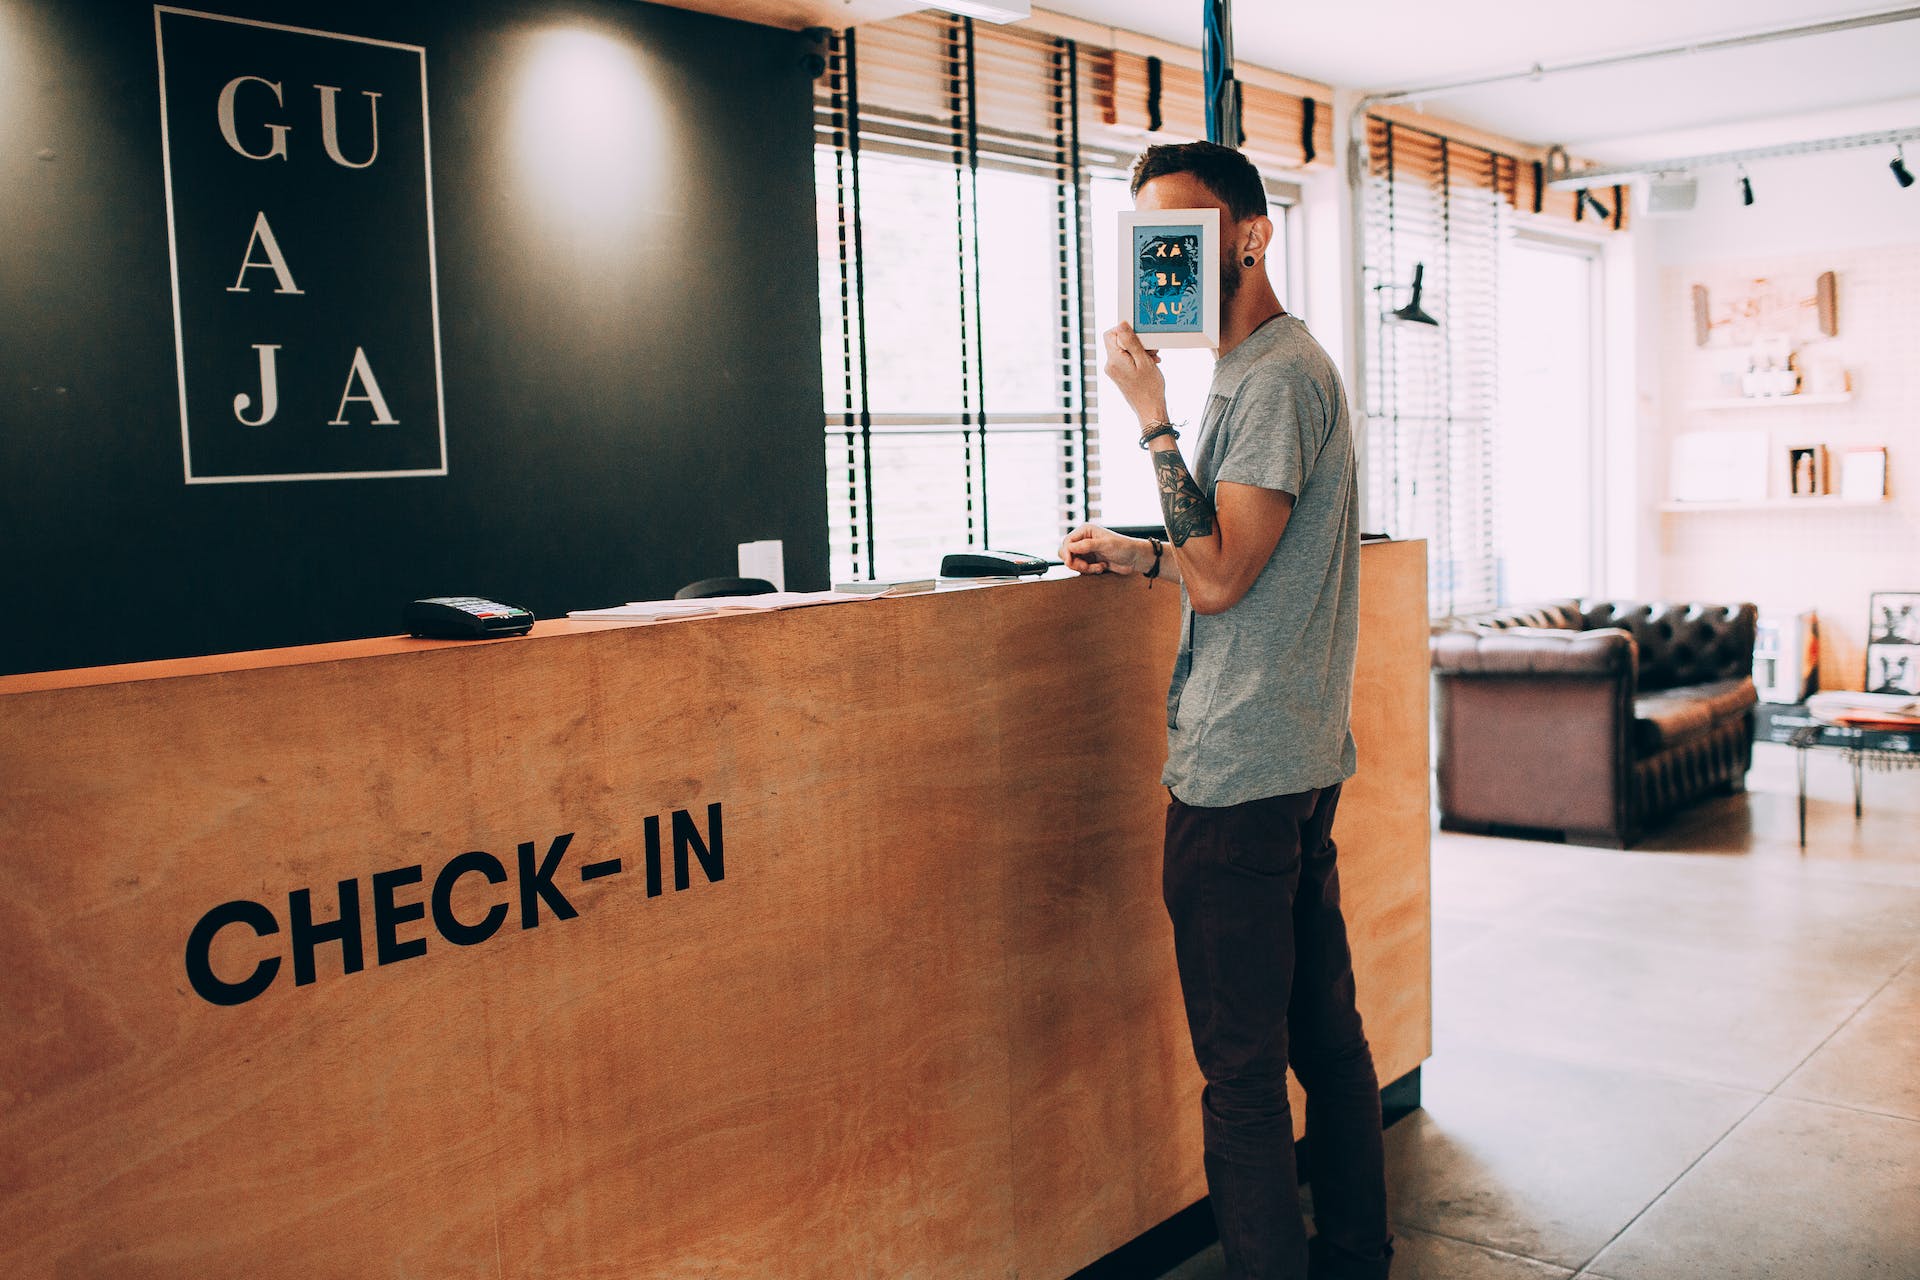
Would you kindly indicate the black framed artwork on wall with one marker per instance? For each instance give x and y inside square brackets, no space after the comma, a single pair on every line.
[1893,642]
[1893,668]
[1893,617]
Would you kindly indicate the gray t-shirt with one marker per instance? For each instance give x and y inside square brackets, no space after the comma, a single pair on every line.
[1262,694]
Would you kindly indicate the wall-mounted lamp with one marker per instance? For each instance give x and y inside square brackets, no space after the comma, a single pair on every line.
[1899,167]
[1002,11]
[1412,313]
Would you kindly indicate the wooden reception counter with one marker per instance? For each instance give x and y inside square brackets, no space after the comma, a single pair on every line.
[822,943]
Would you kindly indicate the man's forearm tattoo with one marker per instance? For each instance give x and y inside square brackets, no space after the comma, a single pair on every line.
[1188,513]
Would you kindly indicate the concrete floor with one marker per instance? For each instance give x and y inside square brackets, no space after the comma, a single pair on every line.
[1700,1058]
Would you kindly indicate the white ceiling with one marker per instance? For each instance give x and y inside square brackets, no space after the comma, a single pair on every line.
[1738,98]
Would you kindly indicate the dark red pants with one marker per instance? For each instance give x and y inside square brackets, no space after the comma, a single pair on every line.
[1268,982]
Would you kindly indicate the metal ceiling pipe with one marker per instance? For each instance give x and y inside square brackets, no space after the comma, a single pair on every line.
[1610,174]
[1223,91]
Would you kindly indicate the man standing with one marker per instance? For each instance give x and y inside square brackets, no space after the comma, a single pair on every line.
[1263,536]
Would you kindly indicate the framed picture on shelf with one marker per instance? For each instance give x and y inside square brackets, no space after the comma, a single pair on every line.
[1170,276]
[1893,617]
[1807,470]
[1720,466]
[1863,474]
[1893,668]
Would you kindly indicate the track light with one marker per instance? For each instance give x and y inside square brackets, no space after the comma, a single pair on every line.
[1746,188]
[1592,202]
[1899,167]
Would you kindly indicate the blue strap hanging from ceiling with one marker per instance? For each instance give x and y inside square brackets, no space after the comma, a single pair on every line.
[1216,68]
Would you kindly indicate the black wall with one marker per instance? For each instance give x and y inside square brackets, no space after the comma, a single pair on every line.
[622,407]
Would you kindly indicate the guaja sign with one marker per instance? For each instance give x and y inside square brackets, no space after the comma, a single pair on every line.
[300,221]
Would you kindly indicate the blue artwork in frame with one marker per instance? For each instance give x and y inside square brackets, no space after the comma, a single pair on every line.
[1166,293]
[1170,272]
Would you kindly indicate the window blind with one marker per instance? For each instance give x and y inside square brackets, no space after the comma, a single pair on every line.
[957,345]
[955,168]
[1437,207]
[1128,100]
[1433,393]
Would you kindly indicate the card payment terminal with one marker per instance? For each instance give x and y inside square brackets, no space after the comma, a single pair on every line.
[465,618]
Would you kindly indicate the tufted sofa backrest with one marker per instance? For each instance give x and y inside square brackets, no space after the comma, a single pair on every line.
[1681,643]
[1559,615]
[1678,643]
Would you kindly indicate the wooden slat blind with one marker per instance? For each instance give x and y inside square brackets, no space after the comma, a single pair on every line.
[1441,208]
[1278,134]
[1447,206]
[957,349]
[1520,183]
[906,66]
[957,371]
[1117,101]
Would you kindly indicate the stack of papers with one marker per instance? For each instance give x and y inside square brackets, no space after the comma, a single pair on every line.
[659,610]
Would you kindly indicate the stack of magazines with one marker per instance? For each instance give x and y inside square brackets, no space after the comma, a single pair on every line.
[1866,710]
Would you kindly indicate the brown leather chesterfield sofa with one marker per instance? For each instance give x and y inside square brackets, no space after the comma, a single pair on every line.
[1590,721]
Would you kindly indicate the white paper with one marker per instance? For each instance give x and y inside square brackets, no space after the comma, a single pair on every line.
[766,560]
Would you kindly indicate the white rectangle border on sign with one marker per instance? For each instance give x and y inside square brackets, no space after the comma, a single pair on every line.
[1207,223]
[173,252]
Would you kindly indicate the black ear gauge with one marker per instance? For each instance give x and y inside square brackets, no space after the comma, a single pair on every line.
[1248,260]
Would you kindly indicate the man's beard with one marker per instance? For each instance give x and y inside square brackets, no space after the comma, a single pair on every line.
[1230,277]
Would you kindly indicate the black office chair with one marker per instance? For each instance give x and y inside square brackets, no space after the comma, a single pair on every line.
[707,588]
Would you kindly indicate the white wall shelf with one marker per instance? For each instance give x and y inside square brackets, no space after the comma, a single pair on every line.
[1822,502]
[1770,402]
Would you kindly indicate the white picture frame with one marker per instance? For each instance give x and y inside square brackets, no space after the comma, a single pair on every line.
[1167,301]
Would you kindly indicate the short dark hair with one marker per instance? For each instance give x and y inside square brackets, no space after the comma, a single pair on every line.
[1221,170]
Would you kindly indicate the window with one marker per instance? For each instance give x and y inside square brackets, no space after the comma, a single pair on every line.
[1469,442]
[966,177]
[1435,216]
[1546,440]
[955,347]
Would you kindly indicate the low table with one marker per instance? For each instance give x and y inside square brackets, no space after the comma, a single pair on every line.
[1878,748]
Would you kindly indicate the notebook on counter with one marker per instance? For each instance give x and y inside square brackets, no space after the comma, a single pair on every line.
[887,586]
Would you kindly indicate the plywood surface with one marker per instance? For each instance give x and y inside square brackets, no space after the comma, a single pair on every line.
[925,1023]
